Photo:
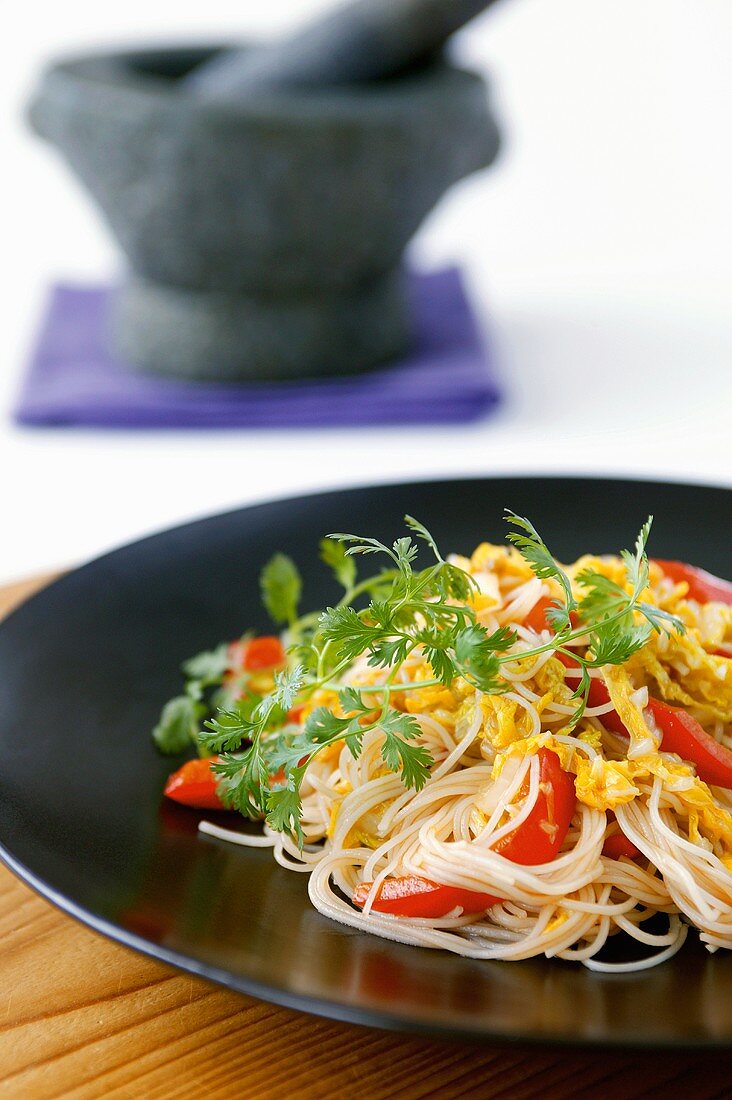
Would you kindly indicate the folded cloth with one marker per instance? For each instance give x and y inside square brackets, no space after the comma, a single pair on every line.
[73,380]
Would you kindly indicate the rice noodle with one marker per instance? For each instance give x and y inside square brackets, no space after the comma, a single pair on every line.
[361,825]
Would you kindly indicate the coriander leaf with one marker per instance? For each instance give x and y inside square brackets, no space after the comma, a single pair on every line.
[178,725]
[195,690]
[354,739]
[602,597]
[402,552]
[344,626]
[209,666]
[286,686]
[420,529]
[535,551]
[281,585]
[335,555]
[228,729]
[452,582]
[557,615]
[637,564]
[610,611]
[322,725]
[476,656]
[339,624]
[244,780]
[360,545]
[284,808]
[616,644]
[501,639]
[353,637]
[581,692]
[398,751]
[436,650]
[351,700]
[660,619]
[405,551]
[389,651]
[380,611]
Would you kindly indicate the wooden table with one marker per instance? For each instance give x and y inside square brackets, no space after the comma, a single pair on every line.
[83,1017]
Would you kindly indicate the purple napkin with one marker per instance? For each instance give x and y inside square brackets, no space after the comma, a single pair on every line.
[446,378]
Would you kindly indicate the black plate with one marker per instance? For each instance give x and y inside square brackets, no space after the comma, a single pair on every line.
[85,665]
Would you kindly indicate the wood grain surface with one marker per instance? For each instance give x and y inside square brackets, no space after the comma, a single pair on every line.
[82,1017]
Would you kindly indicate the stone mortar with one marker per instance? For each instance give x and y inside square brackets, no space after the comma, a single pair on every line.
[265,238]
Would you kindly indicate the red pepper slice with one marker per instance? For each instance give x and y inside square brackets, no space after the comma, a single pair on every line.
[413,896]
[682,734]
[541,835]
[194,784]
[618,845]
[536,840]
[703,586]
[257,654]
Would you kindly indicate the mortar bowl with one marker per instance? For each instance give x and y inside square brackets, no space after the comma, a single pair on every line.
[264,238]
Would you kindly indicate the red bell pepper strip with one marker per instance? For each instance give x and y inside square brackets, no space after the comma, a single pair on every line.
[618,845]
[703,587]
[256,654]
[541,835]
[413,896]
[194,784]
[536,840]
[682,734]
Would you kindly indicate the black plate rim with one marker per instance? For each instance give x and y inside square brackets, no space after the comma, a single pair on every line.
[336,1010]
[275,994]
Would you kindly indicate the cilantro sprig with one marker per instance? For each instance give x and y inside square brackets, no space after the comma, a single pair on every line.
[614,621]
[386,619]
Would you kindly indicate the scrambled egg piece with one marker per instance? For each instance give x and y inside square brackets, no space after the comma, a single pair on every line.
[611,567]
[550,680]
[621,690]
[342,788]
[504,561]
[322,698]
[562,916]
[605,784]
[428,699]
[680,669]
[364,833]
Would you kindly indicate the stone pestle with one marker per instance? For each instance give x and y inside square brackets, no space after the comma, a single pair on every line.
[361,41]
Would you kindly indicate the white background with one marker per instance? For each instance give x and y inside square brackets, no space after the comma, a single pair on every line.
[599,255]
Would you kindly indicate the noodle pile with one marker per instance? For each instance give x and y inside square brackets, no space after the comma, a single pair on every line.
[361,824]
